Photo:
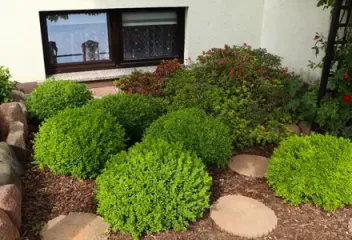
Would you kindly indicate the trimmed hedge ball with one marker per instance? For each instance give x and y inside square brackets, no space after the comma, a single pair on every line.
[206,136]
[314,169]
[133,111]
[155,186]
[78,142]
[53,96]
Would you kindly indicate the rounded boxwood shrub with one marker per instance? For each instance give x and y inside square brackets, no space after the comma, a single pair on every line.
[314,169]
[133,111]
[52,96]
[156,186]
[78,142]
[206,136]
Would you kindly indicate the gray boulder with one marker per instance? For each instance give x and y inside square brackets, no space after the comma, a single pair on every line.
[18,96]
[8,156]
[7,176]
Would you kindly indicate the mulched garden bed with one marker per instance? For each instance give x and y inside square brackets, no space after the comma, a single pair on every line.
[47,196]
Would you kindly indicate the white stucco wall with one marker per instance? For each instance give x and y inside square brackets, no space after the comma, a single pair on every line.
[289,27]
[209,23]
[284,27]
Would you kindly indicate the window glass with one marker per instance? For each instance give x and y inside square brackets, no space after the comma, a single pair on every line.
[149,34]
[77,37]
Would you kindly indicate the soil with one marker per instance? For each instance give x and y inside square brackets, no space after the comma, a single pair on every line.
[47,196]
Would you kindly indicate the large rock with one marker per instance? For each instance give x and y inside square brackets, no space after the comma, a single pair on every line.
[243,216]
[24,108]
[18,96]
[249,165]
[305,128]
[76,226]
[8,230]
[10,202]
[293,128]
[17,136]
[7,175]
[11,112]
[8,156]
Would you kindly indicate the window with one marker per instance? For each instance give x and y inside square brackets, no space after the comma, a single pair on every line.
[89,40]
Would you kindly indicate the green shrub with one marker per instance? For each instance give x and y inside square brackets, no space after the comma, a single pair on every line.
[6,85]
[133,111]
[156,186]
[206,136]
[250,108]
[48,99]
[242,87]
[314,169]
[78,142]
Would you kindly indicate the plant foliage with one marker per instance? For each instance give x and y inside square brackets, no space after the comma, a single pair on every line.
[314,169]
[156,186]
[6,85]
[242,87]
[52,96]
[148,83]
[206,136]
[78,142]
[333,115]
[133,111]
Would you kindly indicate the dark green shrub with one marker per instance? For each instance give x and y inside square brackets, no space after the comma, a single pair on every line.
[6,85]
[133,111]
[48,99]
[242,87]
[314,169]
[78,142]
[156,186]
[206,136]
[251,109]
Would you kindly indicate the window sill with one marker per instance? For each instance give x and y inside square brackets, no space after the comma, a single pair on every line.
[99,75]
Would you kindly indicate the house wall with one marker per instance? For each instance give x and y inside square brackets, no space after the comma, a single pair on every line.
[209,23]
[284,27]
[288,30]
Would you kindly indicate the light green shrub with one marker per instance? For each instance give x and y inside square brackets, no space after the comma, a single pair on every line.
[78,142]
[156,186]
[314,169]
[52,96]
[206,136]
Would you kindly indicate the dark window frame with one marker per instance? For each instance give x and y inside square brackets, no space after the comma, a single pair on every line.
[114,17]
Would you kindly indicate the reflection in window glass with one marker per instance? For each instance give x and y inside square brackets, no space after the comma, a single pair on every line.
[78,37]
[149,34]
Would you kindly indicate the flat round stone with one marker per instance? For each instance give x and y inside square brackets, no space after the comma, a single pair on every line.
[249,165]
[243,216]
[76,226]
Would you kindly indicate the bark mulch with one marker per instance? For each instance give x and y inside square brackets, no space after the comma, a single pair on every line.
[47,196]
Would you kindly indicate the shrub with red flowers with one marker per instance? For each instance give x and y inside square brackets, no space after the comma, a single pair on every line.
[334,114]
[148,83]
[241,86]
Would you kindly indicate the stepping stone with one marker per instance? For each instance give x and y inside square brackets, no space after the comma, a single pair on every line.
[243,216]
[76,226]
[249,165]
